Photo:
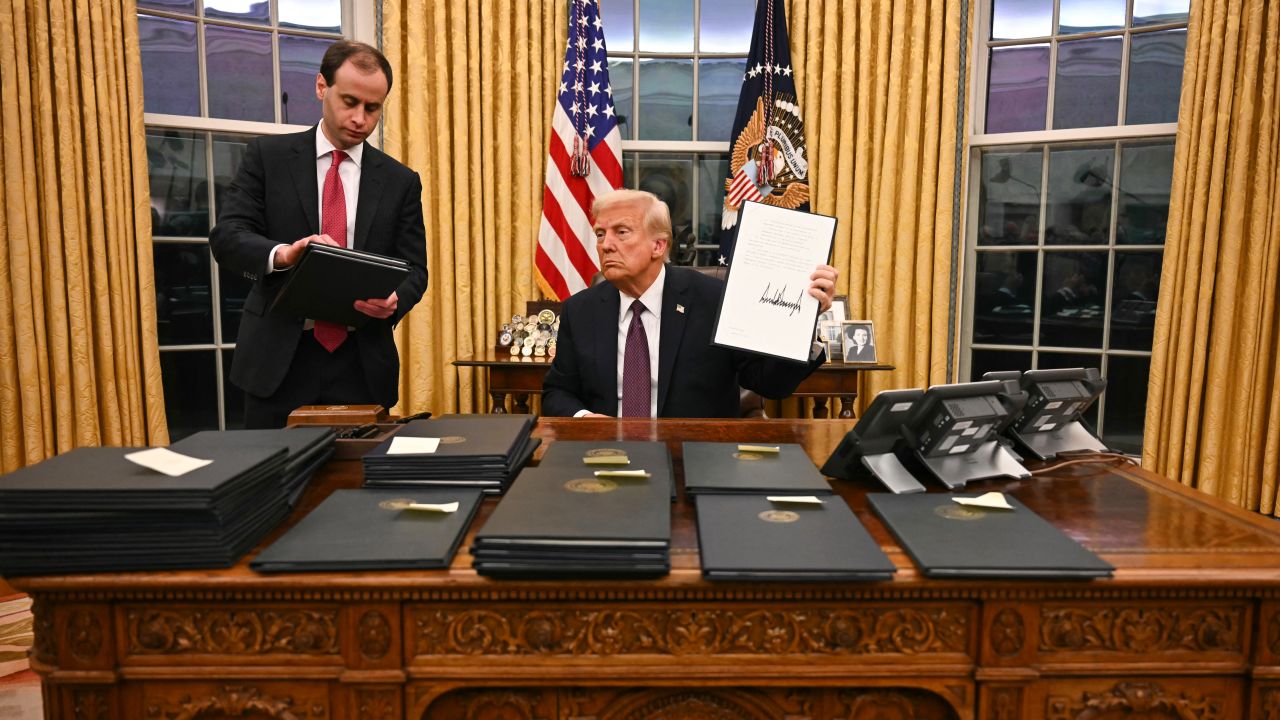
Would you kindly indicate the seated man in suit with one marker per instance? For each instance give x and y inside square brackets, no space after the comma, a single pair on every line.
[639,345]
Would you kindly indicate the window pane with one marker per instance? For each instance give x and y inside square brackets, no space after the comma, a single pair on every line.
[1054,361]
[1004,297]
[323,15]
[1079,204]
[619,25]
[712,171]
[620,80]
[1154,12]
[719,83]
[725,25]
[985,361]
[666,25]
[670,177]
[233,288]
[1155,77]
[1133,300]
[184,301]
[1011,19]
[170,66]
[1087,89]
[1126,399]
[190,380]
[666,99]
[228,150]
[299,65]
[1071,299]
[1089,15]
[256,11]
[1009,198]
[182,6]
[1146,174]
[238,64]
[1019,88]
[232,396]
[179,183]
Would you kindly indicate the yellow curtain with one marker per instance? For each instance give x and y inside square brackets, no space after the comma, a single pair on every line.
[79,363]
[1213,404]
[471,112]
[878,81]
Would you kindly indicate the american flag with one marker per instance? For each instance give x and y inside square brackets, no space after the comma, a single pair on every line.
[584,161]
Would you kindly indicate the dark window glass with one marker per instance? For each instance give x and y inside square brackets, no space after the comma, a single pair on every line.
[719,84]
[179,183]
[1158,12]
[228,150]
[1087,89]
[666,26]
[322,15]
[1155,76]
[985,361]
[1133,299]
[1012,19]
[238,64]
[184,297]
[170,66]
[1053,361]
[1126,402]
[712,171]
[299,65]
[232,396]
[726,25]
[619,21]
[670,177]
[233,288]
[1146,175]
[1071,302]
[190,379]
[182,6]
[1009,198]
[1079,199]
[253,12]
[1018,94]
[666,99]
[1075,16]
[1004,298]
[620,80]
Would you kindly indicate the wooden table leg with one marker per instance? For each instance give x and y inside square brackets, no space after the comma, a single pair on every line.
[820,407]
[846,405]
[522,403]
[499,403]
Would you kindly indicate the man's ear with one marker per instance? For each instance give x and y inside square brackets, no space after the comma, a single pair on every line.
[321,86]
[660,247]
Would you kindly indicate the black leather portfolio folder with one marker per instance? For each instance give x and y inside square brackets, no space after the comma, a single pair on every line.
[947,539]
[723,468]
[590,455]
[373,530]
[747,537]
[327,281]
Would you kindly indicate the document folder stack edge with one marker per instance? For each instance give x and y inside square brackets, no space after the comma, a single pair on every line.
[480,451]
[309,449]
[327,281]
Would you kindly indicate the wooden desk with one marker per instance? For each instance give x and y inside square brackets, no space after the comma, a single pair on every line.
[1189,627]
[521,377]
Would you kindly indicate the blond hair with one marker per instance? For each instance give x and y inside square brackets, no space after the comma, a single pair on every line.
[656,214]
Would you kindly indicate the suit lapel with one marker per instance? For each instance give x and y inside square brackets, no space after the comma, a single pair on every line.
[672,331]
[607,344]
[302,165]
[370,193]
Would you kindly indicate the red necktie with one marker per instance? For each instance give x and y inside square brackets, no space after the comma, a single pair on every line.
[637,384]
[333,222]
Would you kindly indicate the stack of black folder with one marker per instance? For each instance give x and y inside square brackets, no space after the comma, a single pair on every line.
[576,456]
[947,539]
[91,510]
[309,448]
[480,451]
[561,519]
[374,530]
[720,467]
[327,281]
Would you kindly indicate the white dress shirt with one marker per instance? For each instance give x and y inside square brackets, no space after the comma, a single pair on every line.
[348,172]
[652,322]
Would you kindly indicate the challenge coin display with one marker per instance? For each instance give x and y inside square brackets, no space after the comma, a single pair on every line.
[530,335]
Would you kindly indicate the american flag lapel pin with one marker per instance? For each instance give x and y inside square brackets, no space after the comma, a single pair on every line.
[679,308]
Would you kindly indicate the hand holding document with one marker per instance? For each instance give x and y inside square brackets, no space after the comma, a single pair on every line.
[767,307]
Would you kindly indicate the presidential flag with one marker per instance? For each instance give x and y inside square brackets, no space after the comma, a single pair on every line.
[584,160]
[767,163]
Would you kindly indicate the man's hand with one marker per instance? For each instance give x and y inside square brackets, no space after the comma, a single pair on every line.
[595,415]
[288,255]
[376,308]
[823,286]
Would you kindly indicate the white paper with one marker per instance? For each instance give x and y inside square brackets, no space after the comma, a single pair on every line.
[434,507]
[989,500]
[413,445]
[166,461]
[767,307]
[806,499]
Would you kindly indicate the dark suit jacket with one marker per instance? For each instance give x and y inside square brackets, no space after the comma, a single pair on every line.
[695,378]
[275,199]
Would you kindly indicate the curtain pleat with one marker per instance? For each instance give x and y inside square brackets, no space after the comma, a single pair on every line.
[79,359]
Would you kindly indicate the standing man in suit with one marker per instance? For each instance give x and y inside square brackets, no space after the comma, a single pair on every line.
[325,185]
[639,345]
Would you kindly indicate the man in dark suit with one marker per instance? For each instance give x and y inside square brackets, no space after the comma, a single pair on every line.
[325,185]
[602,367]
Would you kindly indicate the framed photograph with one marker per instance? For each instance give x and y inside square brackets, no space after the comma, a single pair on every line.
[837,313]
[829,335]
[859,341]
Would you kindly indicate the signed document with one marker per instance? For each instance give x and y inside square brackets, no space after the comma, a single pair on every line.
[767,307]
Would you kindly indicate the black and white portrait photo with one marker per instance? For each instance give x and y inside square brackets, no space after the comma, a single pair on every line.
[859,341]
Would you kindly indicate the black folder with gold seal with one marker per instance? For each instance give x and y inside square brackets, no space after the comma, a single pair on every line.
[327,280]
[719,467]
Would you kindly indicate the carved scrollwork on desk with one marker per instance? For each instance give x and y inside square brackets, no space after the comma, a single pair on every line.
[1141,630]
[84,635]
[1008,633]
[44,644]
[1141,699]
[238,632]
[1006,703]
[374,635]
[706,632]
[234,701]
[377,704]
[1273,634]
[1270,704]
[90,704]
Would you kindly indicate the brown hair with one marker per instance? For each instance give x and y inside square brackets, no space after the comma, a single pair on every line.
[363,56]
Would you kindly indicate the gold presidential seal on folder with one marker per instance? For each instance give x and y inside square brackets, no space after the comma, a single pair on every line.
[779,516]
[591,485]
